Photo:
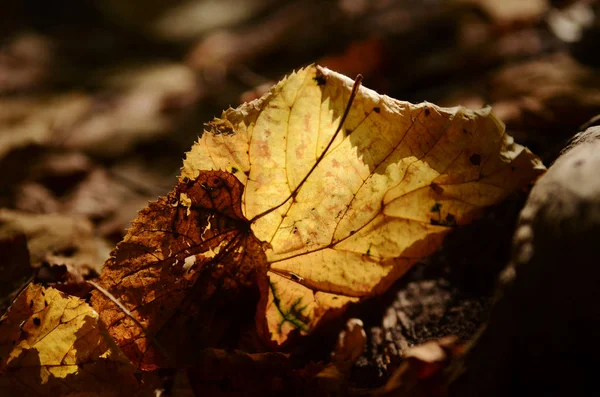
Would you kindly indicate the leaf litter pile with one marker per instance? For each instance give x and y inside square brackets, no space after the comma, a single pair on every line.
[321,240]
[288,211]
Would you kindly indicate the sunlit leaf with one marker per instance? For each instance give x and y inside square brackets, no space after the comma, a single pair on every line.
[52,344]
[277,203]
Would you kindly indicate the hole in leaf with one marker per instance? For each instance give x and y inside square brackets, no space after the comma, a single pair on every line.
[475,159]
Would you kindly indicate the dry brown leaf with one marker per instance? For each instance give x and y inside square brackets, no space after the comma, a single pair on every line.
[135,104]
[275,201]
[53,345]
[420,374]
[350,345]
[553,94]
[504,12]
[34,121]
[26,60]
[57,239]
[146,104]
[181,268]
[182,20]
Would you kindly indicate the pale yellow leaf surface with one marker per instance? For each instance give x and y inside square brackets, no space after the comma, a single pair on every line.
[51,344]
[394,182]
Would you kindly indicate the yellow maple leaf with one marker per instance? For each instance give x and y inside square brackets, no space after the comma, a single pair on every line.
[306,202]
[394,181]
[51,344]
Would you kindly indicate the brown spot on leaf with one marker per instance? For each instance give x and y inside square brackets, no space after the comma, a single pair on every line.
[263,149]
[320,79]
[300,151]
[307,119]
[437,188]
[449,220]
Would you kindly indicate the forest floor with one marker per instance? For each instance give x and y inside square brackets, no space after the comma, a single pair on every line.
[99,102]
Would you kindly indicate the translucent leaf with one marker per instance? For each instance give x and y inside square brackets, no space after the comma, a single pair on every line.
[52,344]
[278,204]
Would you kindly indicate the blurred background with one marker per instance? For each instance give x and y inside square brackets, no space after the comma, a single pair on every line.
[99,101]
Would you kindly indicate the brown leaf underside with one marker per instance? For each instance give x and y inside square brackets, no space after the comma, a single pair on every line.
[189,258]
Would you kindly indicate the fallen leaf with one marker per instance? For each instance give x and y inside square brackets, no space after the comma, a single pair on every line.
[222,50]
[350,345]
[182,21]
[26,121]
[544,100]
[510,11]
[35,198]
[98,196]
[26,60]
[52,344]
[393,183]
[420,373]
[274,196]
[188,263]
[134,104]
[333,379]
[57,239]
[139,103]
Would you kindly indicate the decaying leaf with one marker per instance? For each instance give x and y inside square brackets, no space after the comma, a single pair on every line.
[189,262]
[547,97]
[131,108]
[511,11]
[276,201]
[57,239]
[52,344]
[350,345]
[420,374]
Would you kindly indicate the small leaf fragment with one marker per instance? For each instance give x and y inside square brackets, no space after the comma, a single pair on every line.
[52,344]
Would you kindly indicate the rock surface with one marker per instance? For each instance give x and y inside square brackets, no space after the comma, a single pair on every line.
[541,337]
